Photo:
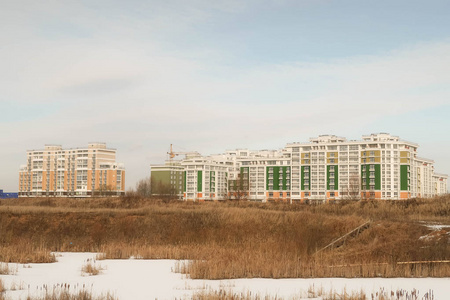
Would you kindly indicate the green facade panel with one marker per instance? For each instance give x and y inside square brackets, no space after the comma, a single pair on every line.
[175,179]
[199,181]
[275,178]
[404,185]
[161,176]
[377,177]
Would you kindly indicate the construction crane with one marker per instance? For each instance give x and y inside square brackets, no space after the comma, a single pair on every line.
[187,154]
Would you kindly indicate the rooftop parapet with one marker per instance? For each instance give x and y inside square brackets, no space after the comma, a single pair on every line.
[97,145]
[52,147]
[326,138]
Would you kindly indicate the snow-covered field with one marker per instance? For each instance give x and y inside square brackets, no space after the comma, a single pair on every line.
[135,279]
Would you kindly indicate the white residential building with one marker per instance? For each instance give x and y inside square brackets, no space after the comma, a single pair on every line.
[327,168]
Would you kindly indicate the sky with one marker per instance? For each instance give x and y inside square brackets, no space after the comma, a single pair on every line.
[209,76]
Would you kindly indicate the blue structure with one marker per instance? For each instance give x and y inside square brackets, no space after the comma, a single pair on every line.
[8,195]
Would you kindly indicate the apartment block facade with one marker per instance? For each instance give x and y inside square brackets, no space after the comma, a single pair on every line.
[80,172]
[379,166]
[168,179]
[327,168]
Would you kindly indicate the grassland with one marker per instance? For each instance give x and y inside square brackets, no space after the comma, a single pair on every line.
[235,239]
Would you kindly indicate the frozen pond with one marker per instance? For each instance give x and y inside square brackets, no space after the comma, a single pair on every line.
[134,279]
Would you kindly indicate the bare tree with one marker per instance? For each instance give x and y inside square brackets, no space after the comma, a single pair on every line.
[238,189]
[105,190]
[161,189]
[144,187]
[353,189]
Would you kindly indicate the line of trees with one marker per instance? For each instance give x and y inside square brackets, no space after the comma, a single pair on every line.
[238,189]
[149,187]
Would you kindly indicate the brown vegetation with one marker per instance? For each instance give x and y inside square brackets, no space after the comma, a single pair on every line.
[233,239]
[315,293]
[64,294]
[90,268]
[2,289]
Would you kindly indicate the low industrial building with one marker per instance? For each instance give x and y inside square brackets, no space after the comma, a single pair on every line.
[8,195]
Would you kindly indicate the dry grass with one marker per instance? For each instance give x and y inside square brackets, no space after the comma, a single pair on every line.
[64,294]
[317,293]
[231,240]
[23,252]
[91,268]
[6,269]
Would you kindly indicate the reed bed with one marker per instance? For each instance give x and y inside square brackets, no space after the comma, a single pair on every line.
[233,239]
[317,293]
[63,294]
[91,268]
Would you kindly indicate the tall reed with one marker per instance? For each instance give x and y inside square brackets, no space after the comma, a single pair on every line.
[230,240]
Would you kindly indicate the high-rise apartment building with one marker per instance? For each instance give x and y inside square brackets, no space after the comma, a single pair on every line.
[80,172]
[327,168]
[380,166]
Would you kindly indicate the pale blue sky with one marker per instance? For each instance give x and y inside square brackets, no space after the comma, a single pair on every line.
[214,75]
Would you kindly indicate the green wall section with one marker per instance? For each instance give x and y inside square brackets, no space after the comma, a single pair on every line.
[278,183]
[377,176]
[404,170]
[199,181]
[336,178]
[163,176]
[303,178]
[242,172]
[276,178]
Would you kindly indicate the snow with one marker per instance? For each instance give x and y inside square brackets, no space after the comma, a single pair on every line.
[438,231]
[135,279]
[437,226]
